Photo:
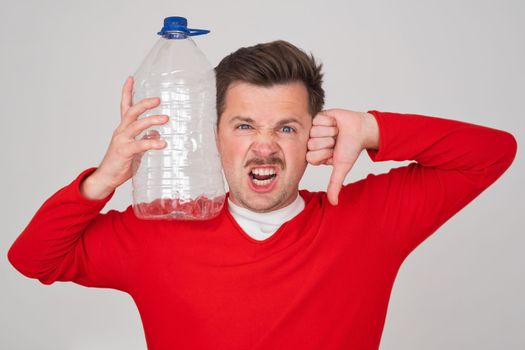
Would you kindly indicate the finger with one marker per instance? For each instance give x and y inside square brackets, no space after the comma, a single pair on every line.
[323,131]
[332,112]
[317,143]
[337,178]
[137,109]
[319,157]
[138,126]
[127,91]
[131,149]
[324,120]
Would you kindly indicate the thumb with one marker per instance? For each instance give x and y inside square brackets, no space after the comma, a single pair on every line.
[336,180]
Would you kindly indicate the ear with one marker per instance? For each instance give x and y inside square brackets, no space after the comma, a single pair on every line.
[217,140]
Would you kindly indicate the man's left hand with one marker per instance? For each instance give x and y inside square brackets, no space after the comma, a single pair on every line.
[337,137]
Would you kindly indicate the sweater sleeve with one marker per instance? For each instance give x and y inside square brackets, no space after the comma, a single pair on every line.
[454,162]
[68,239]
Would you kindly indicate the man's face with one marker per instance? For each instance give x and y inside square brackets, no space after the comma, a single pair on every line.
[262,138]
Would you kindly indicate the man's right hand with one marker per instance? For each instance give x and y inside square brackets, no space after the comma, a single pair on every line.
[116,167]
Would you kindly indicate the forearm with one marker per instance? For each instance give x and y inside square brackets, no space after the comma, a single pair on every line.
[53,232]
[481,152]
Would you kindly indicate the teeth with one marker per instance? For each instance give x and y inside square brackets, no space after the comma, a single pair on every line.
[262,182]
[263,171]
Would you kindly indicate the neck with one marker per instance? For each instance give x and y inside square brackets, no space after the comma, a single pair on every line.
[262,225]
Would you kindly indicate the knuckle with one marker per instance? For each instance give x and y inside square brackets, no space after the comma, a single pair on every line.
[317,132]
[135,125]
[312,159]
[321,143]
[309,157]
[318,119]
[121,151]
[148,144]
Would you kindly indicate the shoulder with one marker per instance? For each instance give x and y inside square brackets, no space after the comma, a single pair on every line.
[353,193]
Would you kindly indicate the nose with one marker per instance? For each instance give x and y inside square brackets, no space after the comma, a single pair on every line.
[265,147]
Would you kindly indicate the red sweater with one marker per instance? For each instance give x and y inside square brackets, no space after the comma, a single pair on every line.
[322,281]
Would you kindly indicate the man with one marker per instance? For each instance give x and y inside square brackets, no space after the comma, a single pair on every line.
[279,268]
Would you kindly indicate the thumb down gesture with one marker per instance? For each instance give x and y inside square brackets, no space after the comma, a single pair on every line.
[337,138]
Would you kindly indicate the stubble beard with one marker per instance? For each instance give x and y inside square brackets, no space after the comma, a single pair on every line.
[273,205]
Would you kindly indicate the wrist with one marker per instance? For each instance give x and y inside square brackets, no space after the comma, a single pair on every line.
[371,132]
[94,188]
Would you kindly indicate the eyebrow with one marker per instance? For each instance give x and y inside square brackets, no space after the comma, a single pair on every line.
[289,121]
[280,123]
[241,119]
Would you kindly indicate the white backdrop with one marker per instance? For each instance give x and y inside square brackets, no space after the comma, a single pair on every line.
[62,67]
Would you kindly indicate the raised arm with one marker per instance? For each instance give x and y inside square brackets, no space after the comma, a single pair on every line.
[68,239]
[454,162]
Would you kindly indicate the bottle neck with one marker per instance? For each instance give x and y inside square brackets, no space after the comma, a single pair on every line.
[175,35]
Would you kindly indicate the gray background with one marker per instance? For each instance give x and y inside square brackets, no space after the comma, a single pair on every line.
[62,67]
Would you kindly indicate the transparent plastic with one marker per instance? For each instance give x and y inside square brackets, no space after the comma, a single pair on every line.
[184,180]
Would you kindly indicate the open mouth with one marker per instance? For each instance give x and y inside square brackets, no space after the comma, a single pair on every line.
[263,176]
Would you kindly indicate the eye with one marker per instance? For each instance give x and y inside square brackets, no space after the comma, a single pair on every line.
[243,126]
[287,129]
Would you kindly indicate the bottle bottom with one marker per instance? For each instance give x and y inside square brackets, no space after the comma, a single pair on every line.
[200,208]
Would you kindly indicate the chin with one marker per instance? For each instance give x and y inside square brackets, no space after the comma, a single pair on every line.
[260,206]
[263,203]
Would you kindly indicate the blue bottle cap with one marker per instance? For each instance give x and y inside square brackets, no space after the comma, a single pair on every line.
[179,24]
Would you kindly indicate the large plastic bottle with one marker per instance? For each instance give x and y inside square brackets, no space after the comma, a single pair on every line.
[184,180]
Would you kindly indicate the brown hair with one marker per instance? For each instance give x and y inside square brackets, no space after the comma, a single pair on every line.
[267,64]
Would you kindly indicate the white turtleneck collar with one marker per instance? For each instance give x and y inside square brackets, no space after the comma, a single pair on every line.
[261,226]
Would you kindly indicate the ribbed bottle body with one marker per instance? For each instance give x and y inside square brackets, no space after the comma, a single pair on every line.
[184,180]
